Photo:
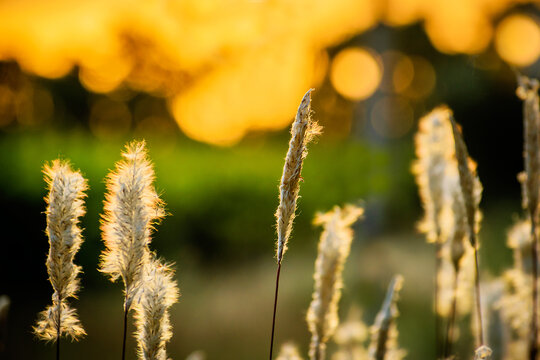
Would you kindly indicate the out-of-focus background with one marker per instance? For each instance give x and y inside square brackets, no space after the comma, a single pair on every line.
[213,86]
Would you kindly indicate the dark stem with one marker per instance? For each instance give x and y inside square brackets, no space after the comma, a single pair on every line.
[58,330]
[275,308]
[126,310]
[438,262]
[481,338]
[533,342]
[449,341]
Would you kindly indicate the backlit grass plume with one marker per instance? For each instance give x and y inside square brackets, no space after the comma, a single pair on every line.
[384,333]
[433,146]
[303,130]
[334,248]
[159,292]
[65,205]
[132,207]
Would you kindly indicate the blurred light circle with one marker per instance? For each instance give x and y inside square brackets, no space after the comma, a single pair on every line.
[403,74]
[356,73]
[517,40]
[424,79]
[392,116]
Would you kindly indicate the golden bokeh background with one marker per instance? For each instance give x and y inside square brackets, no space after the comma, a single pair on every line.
[226,68]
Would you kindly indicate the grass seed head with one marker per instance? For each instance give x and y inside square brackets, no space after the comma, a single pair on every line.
[303,130]
[65,205]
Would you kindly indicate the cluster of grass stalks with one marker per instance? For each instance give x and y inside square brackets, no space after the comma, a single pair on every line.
[504,308]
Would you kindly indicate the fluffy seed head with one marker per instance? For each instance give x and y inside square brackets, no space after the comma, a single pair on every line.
[158,293]
[65,205]
[132,208]
[303,131]
[334,248]
[433,145]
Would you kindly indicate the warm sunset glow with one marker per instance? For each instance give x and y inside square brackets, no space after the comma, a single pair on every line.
[228,67]
[517,40]
[356,73]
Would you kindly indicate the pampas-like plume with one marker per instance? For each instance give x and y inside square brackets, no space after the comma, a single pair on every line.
[159,292]
[65,202]
[433,145]
[132,207]
[334,248]
[384,333]
[289,351]
[302,132]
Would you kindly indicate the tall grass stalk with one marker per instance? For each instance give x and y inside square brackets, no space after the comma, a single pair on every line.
[303,131]
[528,92]
[132,207]
[65,202]
[467,179]
[433,152]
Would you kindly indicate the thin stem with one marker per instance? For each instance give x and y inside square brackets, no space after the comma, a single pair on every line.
[449,341]
[275,308]
[533,342]
[438,262]
[478,300]
[58,330]
[126,310]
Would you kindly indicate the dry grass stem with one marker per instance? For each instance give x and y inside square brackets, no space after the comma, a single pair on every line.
[334,248]
[65,202]
[528,92]
[302,132]
[470,189]
[159,292]
[132,207]
[384,333]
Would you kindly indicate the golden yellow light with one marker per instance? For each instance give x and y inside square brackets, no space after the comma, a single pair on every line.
[517,40]
[356,73]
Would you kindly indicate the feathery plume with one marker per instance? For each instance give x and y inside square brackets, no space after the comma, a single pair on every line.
[334,248]
[65,205]
[433,146]
[159,292]
[303,130]
[196,355]
[132,207]
[289,351]
[384,332]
